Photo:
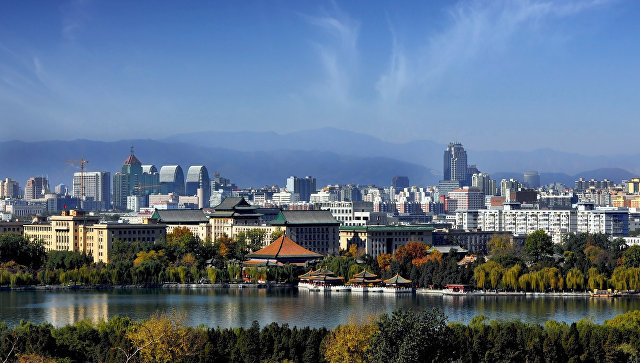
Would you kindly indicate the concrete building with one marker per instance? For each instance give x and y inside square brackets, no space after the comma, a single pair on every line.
[468,198]
[532,179]
[612,221]
[11,227]
[349,213]
[97,187]
[556,223]
[24,210]
[36,188]
[79,232]
[285,198]
[199,184]
[472,241]
[315,230]
[9,188]
[485,183]
[508,186]
[323,197]
[455,164]
[127,182]
[304,187]
[377,240]
[400,182]
[193,219]
[171,179]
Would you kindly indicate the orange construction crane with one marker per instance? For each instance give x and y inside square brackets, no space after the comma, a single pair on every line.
[82,161]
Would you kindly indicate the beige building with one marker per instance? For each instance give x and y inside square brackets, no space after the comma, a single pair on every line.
[376,240]
[79,232]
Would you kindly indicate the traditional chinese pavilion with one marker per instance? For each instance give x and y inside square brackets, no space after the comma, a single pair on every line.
[282,251]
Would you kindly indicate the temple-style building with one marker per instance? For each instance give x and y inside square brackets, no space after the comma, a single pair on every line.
[282,251]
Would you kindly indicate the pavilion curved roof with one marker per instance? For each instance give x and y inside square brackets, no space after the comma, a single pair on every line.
[397,280]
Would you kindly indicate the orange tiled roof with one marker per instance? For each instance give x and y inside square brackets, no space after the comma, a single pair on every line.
[284,247]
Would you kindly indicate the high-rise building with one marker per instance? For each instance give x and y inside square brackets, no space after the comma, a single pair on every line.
[400,182]
[61,189]
[198,182]
[485,183]
[127,182]
[172,179]
[97,187]
[36,188]
[532,179]
[150,180]
[508,186]
[455,164]
[304,187]
[9,188]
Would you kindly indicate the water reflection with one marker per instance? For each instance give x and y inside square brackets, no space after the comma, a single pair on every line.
[240,307]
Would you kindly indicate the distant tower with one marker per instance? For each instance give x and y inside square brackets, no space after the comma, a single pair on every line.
[198,178]
[532,179]
[302,186]
[127,182]
[455,164]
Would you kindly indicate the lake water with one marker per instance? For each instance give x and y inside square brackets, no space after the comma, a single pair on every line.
[239,307]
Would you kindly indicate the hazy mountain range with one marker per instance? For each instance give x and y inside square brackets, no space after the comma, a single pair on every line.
[268,158]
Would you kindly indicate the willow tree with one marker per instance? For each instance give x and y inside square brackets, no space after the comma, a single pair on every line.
[510,277]
[575,279]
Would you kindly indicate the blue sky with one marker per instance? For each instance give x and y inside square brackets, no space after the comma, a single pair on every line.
[498,75]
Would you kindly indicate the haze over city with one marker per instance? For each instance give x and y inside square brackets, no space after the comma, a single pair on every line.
[495,75]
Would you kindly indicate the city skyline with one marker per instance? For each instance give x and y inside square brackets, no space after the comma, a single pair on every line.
[518,75]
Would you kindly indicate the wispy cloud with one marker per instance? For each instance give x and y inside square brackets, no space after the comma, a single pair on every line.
[474,27]
[338,53]
[74,16]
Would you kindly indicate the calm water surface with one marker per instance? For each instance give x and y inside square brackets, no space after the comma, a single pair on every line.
[240,307]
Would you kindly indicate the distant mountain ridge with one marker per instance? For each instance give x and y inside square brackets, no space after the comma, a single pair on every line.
[424,152]
[268,158]
[21,160]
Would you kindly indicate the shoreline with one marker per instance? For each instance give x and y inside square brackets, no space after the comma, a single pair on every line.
[419,291]
[150,286]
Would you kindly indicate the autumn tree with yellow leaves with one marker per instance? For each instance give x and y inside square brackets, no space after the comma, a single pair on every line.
[164,338]
[350,342]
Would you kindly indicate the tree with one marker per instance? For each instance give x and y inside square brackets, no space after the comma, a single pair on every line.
[407,336]
[384,260]
[631,257]
[538,244]
[23,251]
[575,279]
[349,342]
[276,234]
[164,338]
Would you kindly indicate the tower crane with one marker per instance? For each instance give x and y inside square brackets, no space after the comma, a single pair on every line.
[82,162]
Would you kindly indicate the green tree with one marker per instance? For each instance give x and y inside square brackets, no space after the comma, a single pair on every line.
[408,336]
[575,279]
[538,244]
[21,250]
[631,257]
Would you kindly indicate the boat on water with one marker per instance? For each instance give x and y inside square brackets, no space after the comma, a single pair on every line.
[457,289]
[604,293]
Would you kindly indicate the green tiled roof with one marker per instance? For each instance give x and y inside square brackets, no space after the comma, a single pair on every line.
[397,279]
[304,217]
[180,216]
